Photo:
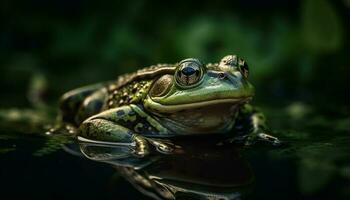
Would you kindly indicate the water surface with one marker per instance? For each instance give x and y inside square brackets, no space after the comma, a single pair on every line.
[314,163]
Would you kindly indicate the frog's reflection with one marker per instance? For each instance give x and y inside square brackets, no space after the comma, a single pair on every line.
[199,169]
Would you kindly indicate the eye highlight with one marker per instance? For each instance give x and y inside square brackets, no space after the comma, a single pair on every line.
[189,73]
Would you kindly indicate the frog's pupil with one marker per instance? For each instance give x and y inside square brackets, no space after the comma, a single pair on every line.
[188,71]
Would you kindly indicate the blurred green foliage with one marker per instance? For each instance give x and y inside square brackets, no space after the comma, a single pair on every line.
[296,50]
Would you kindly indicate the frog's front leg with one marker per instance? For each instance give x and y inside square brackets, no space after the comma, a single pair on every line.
[253,122]
[125,125]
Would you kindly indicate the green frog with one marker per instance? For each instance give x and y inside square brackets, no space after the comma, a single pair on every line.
[167,100]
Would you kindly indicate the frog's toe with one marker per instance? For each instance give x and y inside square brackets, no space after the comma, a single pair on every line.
[141,145]
[269,139]
[254,138]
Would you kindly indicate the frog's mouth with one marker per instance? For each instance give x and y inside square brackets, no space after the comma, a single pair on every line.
[160,108]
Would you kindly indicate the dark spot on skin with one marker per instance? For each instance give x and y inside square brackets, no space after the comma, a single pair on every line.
[130,132]
[97,105]
[87,130]
[132,112]
[125,98]
[120,113]
[108,133]
[138,129]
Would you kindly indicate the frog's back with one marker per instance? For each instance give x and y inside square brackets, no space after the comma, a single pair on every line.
[81,103]
[131,88]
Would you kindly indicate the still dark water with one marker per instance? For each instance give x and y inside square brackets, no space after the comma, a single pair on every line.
[315,164]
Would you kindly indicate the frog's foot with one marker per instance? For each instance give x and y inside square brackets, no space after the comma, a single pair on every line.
[269,139]
[253,138]
[163,145]
[261,137]
[141,145]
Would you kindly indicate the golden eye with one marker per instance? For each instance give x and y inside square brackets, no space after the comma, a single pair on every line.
[189,73]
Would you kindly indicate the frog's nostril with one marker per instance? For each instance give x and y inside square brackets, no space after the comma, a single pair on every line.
[221,75]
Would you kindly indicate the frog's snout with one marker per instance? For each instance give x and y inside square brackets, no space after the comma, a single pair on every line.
[233,79]
[218,75]
[223,76]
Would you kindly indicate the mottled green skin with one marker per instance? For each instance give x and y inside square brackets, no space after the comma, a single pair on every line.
[124,111]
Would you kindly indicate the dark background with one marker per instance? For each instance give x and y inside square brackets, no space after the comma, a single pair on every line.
[296,50]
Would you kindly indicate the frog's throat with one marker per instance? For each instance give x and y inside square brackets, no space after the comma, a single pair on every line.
[153,106]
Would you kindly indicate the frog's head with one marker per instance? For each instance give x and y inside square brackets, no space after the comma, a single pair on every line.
[195,85]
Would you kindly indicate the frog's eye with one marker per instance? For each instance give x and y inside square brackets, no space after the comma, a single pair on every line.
[189,73]
[162,86]
[243,68]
